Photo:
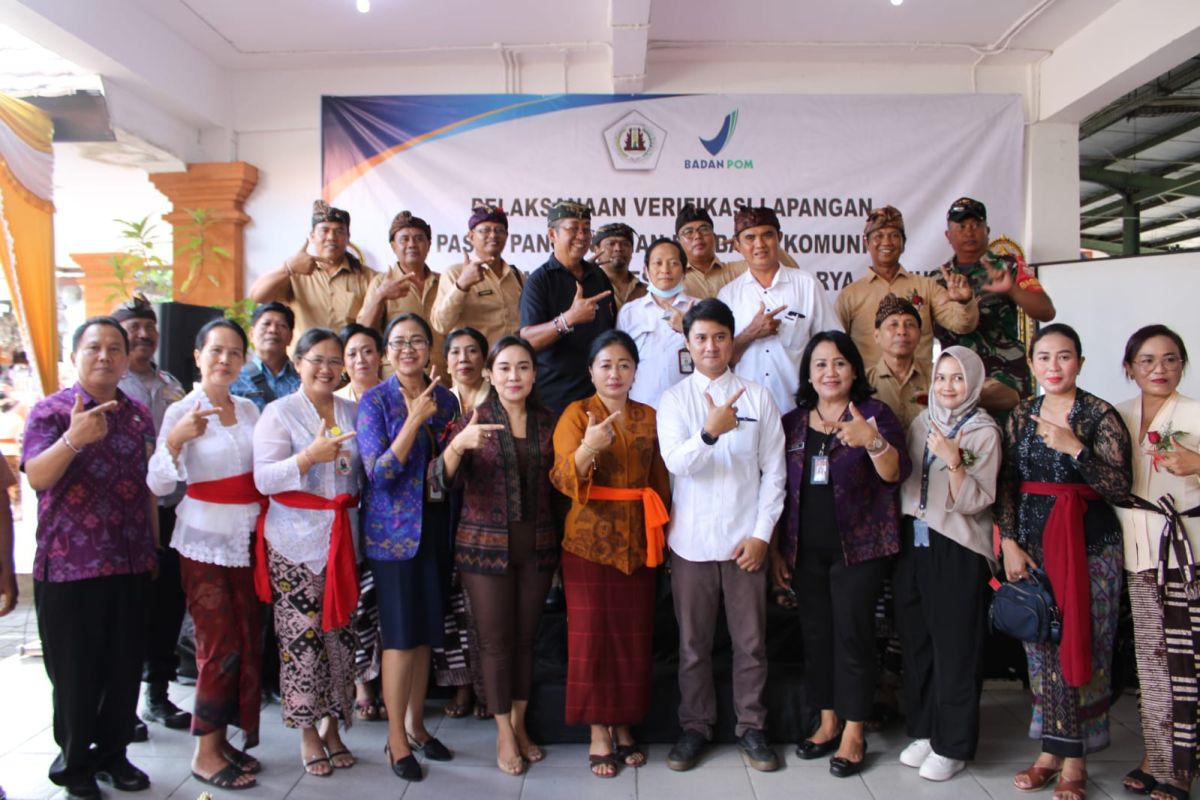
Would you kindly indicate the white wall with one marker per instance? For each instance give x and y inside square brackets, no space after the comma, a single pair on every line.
[89,195]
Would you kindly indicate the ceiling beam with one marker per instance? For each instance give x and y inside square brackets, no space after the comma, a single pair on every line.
[1173,81]
[1141,147]
[630,23]
[1112,248]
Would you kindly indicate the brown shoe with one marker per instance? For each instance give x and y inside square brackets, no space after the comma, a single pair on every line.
[1071,790]
[1035,778]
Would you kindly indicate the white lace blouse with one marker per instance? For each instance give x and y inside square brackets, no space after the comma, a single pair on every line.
[214,533]
[286,427]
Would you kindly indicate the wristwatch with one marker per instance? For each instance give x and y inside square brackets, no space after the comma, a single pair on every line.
[706,438]
[876,444]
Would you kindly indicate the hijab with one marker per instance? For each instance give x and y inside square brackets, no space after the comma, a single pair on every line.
[975,374]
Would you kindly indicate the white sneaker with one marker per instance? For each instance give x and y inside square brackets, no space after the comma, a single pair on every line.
[940,768]
[915,754]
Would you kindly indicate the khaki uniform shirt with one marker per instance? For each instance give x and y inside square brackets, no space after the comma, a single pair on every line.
[857,303]
[492,306]
[633,291]
[907,397]
[415,302]
[701,285]
[329,299]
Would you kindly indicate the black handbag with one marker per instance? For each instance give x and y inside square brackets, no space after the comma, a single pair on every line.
[1026,611]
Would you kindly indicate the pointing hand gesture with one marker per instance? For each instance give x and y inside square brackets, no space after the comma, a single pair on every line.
[395,288]
[191,425]
[300,262]
[958,288]
[676,319]
[721,418]
[472,436]
[946,449]
[472,271]
[423,406]
[1056,437]
[1000,277]
[324,448]
[599,435]
[583,309]
[88,425]
[764,323]
[858,432]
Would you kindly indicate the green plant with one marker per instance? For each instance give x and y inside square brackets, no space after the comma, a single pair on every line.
[240,312]
[198,249]
[139,269]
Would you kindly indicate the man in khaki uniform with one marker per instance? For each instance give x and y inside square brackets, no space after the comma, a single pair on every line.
[899,380]
[483,292]
[409,286]
[325,290]
[953,306]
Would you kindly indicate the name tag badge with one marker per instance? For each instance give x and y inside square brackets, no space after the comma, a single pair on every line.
[686,366]
[486,292]
[342,462]
[819,474]
[920,533]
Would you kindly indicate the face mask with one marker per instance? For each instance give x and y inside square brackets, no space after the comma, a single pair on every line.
[665,294]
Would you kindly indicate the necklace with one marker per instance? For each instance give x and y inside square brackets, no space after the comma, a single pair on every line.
[825,424]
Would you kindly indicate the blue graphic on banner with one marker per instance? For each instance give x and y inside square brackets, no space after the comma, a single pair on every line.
[358,132]
[717,143]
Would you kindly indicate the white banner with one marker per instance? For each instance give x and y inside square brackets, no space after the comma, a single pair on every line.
[821,161]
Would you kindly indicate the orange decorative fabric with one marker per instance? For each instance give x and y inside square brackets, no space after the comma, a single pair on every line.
[654,513]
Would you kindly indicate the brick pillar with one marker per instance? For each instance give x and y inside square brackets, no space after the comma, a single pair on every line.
[99,284]
[221,188]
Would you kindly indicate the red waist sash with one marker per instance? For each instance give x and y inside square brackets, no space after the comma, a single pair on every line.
[237,490]
[1066,565]
[655,513]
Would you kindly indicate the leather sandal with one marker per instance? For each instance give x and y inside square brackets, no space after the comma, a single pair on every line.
[1071,790]
[1036,777]
[598,764]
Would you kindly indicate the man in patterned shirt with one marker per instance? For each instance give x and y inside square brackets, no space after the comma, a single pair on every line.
[1002,286]
[86,449]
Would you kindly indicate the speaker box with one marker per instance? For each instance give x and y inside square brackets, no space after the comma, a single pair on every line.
[178,324]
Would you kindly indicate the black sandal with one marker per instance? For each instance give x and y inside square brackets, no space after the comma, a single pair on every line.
[227,778]
[626,751]
[1147,781]
[1173,791]
[243,761]
[608,760]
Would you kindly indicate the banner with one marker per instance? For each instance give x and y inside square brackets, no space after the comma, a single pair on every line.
[822,162]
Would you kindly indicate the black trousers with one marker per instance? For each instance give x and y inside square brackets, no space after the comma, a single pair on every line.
[93,640]
[167,603]
[940,601]
[837,616]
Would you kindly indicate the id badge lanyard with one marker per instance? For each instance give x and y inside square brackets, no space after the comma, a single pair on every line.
[920,526]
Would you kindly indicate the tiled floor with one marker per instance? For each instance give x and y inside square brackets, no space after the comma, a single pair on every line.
[27,748]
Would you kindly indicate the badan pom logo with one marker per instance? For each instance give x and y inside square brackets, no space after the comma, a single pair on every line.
[715,145]
[634,142]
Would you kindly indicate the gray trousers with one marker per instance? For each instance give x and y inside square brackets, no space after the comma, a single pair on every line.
[698,587]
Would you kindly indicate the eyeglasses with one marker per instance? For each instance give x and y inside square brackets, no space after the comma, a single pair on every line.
[320,363]
[490,230]
[1169,362]
[574,233]
[413,342]
[699,230]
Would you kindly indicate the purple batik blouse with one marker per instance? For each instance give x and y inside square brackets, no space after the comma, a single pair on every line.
[94,521]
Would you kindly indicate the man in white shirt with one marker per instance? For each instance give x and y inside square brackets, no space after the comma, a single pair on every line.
[777,310]
[722,440]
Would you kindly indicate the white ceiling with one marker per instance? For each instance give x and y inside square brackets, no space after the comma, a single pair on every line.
[250,34]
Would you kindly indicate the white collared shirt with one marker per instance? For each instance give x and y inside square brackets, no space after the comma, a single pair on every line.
[659,346]
[775,361]
[725,492]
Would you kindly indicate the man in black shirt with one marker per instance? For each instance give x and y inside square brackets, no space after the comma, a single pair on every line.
[567,302]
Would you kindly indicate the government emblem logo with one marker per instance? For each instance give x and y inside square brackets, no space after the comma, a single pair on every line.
[634,142]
